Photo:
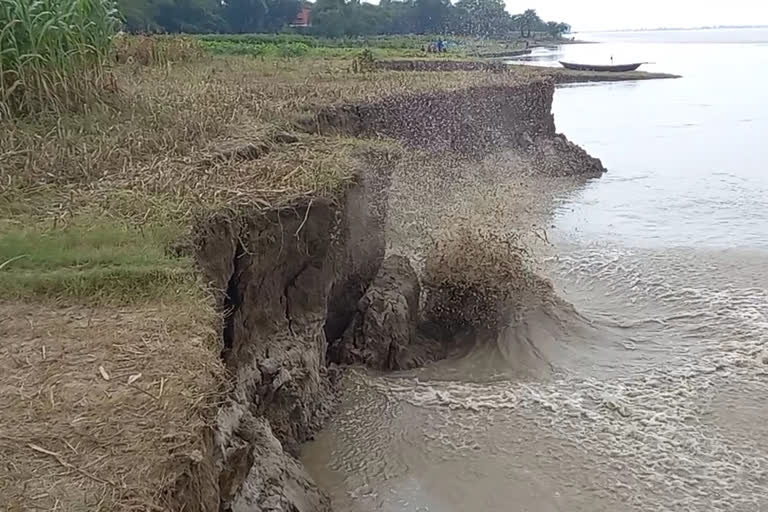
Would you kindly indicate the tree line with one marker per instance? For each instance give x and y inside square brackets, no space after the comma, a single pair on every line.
[336,18]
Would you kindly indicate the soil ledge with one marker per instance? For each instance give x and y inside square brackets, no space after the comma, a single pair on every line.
[306,287]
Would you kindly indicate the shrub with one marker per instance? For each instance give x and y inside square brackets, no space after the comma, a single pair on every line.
[365,62]
[294,49]
[53,53]
[256,49]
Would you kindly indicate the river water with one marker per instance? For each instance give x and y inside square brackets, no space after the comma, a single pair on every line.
[656,389]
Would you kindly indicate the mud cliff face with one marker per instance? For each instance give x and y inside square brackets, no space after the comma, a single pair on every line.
[383,328]
[467,120]
[471,121]
[281,276]
[290,282]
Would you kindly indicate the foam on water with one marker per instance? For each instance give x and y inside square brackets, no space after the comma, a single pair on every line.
[645,431]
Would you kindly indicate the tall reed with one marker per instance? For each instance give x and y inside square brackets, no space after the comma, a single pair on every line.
[53,53]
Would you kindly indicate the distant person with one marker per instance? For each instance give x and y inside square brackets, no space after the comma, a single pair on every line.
[611,59]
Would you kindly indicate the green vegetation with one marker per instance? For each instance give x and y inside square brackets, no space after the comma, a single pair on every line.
[53,53]
[256,49]
[93,261]
[337,18]
[392,41]
[101,244]
[296,45]
[290,50]
[381,47]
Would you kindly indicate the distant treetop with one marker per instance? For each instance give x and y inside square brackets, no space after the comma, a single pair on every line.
[336,18]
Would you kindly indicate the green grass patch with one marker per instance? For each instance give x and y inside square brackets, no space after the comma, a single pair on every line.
[92,262]
[391,42]
[299,49]
[382,47]
[293,45]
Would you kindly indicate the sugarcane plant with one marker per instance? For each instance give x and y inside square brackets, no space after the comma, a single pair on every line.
[54,54]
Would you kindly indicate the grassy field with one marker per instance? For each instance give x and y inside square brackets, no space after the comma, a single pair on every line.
[93,199]
[287,46]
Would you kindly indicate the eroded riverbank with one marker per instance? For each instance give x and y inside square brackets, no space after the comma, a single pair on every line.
[249,200]
[292,301]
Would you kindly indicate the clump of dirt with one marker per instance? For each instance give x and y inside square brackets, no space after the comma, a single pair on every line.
[384,324]
[472,275]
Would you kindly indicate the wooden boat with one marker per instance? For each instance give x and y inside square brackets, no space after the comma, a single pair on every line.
[597,67]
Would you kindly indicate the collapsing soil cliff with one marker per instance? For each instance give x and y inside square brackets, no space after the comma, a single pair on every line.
[284,273]
[472,121]
[303,288]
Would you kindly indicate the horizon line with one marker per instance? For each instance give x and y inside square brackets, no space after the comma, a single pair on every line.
[658,29]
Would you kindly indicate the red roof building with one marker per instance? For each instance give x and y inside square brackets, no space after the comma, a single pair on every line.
[303,18]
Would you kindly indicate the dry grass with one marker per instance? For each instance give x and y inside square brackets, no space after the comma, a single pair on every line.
[183,142]
[111,238]
[91,203]
[150,157]
[156,149]
[103,407]
[156,50]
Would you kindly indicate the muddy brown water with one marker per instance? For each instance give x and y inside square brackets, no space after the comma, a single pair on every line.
[645,385]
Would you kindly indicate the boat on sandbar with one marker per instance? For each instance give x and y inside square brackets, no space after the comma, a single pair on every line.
[615,68]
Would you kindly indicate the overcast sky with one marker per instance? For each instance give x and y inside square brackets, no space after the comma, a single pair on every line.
[587,15]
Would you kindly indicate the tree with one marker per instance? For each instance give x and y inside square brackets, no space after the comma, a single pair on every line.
[280,13]
[556,30]
[335,18]
[483,18]
[138,15]
[431,16]
[171,15]
[245,15]
[398,17]
[528,21]
[188,15]
[260,15]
